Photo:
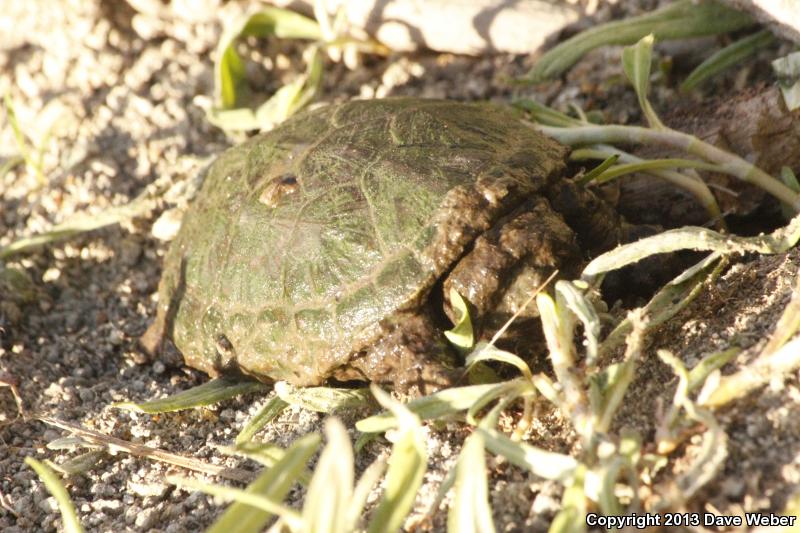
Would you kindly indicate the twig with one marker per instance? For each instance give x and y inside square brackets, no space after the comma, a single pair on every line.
[140,450]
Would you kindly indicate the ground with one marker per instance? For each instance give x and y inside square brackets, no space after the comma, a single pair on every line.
[116,100]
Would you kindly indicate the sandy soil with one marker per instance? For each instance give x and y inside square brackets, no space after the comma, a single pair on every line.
[123,97]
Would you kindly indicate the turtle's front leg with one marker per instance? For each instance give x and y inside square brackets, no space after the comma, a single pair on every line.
[507,263]
[411,354]
[600,228]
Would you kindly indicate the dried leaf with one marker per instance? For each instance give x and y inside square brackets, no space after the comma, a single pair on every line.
[209,393]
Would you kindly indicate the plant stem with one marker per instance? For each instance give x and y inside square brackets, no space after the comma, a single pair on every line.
[729,163]
[694,185]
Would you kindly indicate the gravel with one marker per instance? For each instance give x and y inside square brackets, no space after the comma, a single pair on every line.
[121,95]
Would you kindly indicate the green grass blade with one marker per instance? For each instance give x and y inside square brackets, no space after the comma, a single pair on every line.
[790,180]
[282,23]
[323,399]
[714,449]
[488,352]
[678,20]
[72,442]
[407,466]
[791,95]
[545,464]
[669,433]
[708,364]
[619,376]
[7,165]
[654,164]
[733,164]
[730,56]
[265,453]
[229,71]
[284,103]
[22,140]
[572,516]
[403,479]
[238,119]
[271,410]
[570,295]
[56,488]
[693,184]
[209,393]
[437,405]
[470,511]
[636,61]
[80,464]
[82,223]
[368,480]
[777,358]
[607,499]
[670,299]
[293,96]
[363,439]
[598,170]
[546,115]
[787,69]
[558,325]
[262,503]
[788,324]
[312,81]
[19,137]
[694,238]
[329,495]
[507,392]
[272,484]
[461,336]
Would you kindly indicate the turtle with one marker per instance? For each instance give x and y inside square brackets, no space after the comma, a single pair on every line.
[327,248]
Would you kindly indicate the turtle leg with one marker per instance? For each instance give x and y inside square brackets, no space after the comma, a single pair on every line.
[171,290]
[508,262]
[597,224]
[410,353]
[600,228]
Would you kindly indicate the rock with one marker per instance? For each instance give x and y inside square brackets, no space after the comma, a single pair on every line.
[147,518]
[473,28]
[782,16]
[49,505]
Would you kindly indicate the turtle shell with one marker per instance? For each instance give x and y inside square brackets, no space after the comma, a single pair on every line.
[304,239]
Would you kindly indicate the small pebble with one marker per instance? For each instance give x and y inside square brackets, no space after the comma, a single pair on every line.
[734,488]
[147,518]
[116,337]
[147,490]
[86,395]
[544,503]
[112,507]
[167,225]
[49,505]
[23,504]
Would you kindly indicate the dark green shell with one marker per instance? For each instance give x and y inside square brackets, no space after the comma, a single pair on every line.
[303,239]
